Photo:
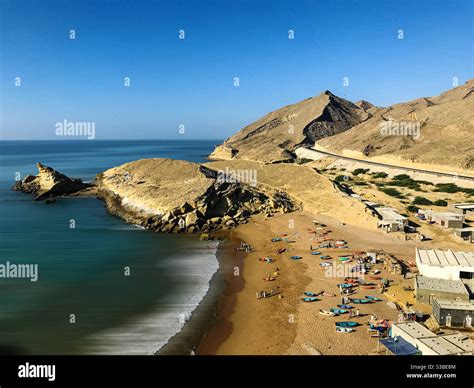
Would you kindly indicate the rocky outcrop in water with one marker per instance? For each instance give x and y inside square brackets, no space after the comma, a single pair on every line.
[49,183]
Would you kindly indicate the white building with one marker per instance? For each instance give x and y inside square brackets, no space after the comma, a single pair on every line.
[431,344]
[449,265]
[391,221]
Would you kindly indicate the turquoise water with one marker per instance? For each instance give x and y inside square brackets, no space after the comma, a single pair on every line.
[82,270]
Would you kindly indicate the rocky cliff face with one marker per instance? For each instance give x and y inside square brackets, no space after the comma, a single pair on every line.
[175,196]
[49,183]
[274,137]
[437,131]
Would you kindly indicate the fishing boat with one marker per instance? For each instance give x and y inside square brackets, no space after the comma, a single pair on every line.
[347,324]
[276,239]
[281,250]
[309,293]
[295,257]
[344,329]
[338,311]
[315,253]
[325,257]
[325,264]
[345,306]
[345,285]
[368,287]
[309,299]
[374,298]
[360,301]
[327,313]
[266,259]
[328,294]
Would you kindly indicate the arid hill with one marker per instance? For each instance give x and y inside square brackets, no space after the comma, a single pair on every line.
[274,137]
[428,130]
[445,137]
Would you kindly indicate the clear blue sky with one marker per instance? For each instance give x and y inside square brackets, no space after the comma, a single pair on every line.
[190,81]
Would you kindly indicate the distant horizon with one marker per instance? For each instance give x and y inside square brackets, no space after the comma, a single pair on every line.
[149,69]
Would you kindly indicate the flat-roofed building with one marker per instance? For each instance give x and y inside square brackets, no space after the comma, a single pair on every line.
[438,346]
[429,343]
[448,220]
[391,220]
[428,288]
[465,234]
[453,313]
[463,208]
[434,263]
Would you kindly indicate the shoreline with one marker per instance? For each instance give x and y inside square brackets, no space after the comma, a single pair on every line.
[207,328]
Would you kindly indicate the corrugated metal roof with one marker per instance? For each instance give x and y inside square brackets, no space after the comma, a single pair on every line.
[445,258]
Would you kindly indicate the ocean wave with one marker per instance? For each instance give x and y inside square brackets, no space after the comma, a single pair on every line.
[148,334]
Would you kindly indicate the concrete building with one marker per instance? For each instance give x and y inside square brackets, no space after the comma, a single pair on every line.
[454,313]
[390,220]
[463,208]
[465,234]
[448,220]
[440,346]
[428,288]
[429,343]
[434,263]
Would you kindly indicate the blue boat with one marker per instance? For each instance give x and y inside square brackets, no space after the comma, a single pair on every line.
[345,306]
[315,253]
[276,239]
[309,299]
[347,324]
[373,298]
[360,301]
[345,285]
[295,257]
[309,293]
[325,257]
[338,311]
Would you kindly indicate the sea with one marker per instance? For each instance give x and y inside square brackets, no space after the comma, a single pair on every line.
[102,286]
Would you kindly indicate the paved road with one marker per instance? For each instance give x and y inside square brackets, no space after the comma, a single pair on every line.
[437,173]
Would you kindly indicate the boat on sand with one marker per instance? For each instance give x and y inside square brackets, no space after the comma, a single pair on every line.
[327,313]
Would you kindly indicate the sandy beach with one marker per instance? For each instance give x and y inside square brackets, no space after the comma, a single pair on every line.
[283,324]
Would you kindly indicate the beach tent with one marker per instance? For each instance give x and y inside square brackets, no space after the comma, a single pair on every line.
[399,347]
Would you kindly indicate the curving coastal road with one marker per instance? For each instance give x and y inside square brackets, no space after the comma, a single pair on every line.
[437,173]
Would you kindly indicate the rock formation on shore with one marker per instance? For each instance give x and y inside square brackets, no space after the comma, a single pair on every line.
[49,184]
[274,137]
[179,196]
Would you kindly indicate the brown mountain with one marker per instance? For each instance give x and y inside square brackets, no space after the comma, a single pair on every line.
[274,137]
[443,125]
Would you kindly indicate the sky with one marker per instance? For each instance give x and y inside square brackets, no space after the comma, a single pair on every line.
[186,88]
